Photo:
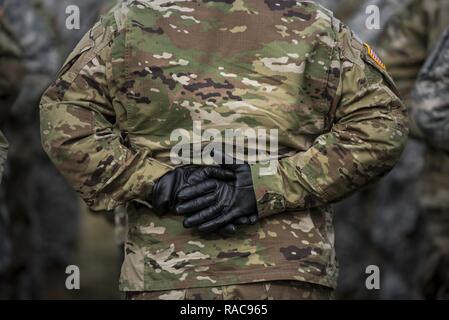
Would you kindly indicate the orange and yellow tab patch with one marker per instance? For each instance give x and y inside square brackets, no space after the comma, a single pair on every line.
[373,55]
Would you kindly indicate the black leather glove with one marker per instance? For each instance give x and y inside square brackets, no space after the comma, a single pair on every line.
[166,189]
[217,202]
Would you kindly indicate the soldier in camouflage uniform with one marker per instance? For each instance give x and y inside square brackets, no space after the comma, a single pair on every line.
[418,184]
[409,38]
[151,67]
[431,96]
[11,73]
[10,77]
[430,112]
[391,233]
[3,153]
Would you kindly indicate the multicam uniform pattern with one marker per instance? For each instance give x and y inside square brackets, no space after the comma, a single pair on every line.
[274,290]
[150,67]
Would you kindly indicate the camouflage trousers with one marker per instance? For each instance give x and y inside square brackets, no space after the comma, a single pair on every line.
[273,290]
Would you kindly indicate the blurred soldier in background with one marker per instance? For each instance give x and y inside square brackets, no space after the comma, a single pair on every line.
[43,212]
[391,232]
[11,72]
[430,113]
[11,68]
[3,153]
[42,209]
[409,38]
[417,182]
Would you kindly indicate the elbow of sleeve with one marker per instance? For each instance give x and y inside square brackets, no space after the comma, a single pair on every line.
[393,144]
[46,141]
[51,144]
[48,132]
[45,146]
[395,134]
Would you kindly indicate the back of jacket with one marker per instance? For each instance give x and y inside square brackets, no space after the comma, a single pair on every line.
[154,75]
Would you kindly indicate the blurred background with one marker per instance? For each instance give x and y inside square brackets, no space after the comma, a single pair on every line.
[44,227]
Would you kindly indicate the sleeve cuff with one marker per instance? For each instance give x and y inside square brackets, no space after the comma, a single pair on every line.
[138,187]
[268,190]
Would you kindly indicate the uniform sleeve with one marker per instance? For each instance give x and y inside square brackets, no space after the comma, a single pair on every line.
[430,107]
[367,138]
[3,153]
[81,132]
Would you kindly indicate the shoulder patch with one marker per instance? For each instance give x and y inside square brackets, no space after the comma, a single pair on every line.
[373,55]
[370,57]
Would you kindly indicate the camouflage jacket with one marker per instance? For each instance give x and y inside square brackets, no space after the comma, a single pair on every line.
[151,67]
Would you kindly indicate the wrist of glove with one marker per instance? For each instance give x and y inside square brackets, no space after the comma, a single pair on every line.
[215,203]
